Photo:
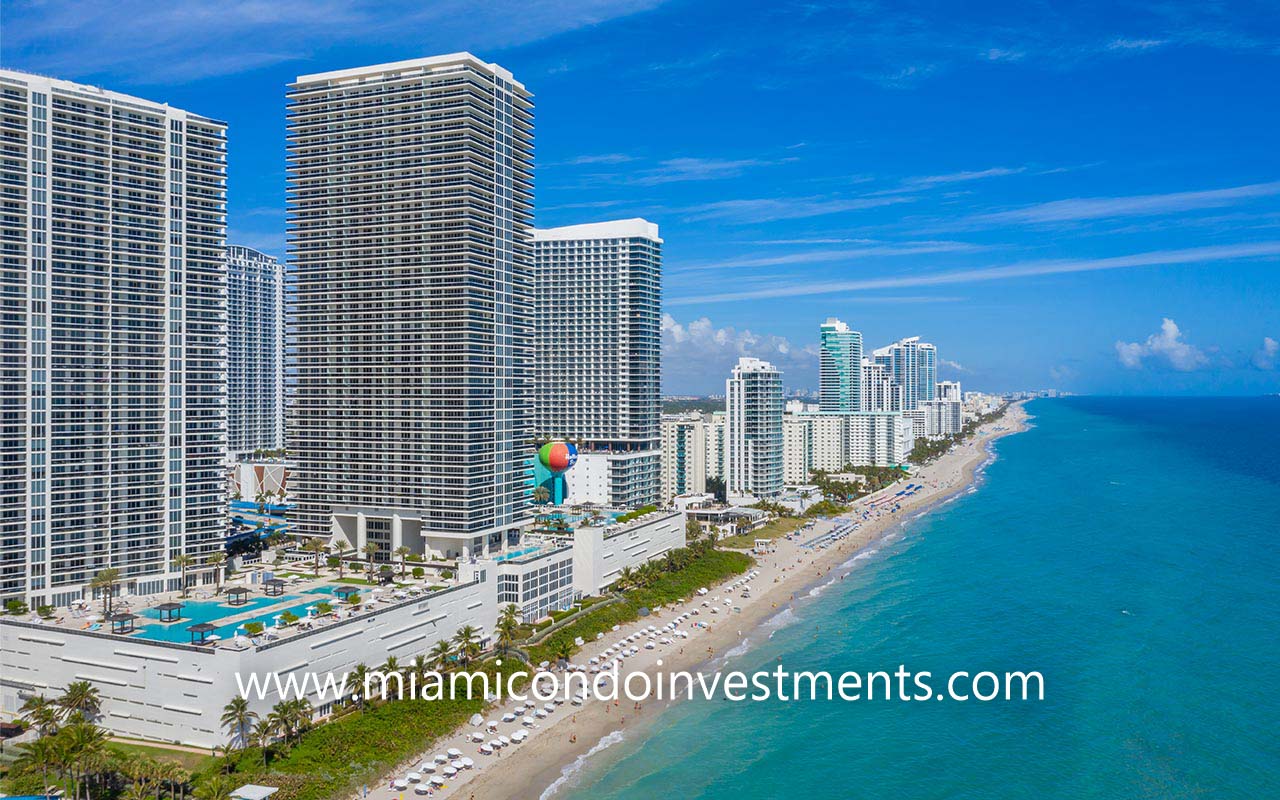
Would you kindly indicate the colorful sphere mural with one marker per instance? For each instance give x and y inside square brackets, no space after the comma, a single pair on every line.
[558,456]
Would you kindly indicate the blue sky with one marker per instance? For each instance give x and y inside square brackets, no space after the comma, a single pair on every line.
[1077,195]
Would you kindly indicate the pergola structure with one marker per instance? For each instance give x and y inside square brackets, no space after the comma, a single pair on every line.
[170,612]
[122,623]
[273,587]
[343,592]
[200,632]
[237,596]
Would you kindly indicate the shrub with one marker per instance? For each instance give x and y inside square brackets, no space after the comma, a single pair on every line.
[254,628]
[288,618]
[418,572]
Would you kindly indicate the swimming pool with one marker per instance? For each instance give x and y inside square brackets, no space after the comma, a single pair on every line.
[197,611]
[524,551]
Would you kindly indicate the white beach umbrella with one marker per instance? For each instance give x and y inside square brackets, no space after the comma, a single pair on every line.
[476,719]
[454,752]
[505,740]
[413,777]
[422,788]
[440,758]
[437,780]
[468,763]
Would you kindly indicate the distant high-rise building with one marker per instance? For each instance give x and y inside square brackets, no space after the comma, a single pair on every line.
[877,386]
[598,351]
[714,425]
[840,368]
[913,369]
[753,430]
[684,455]
[949,390]
[255,352]
[114,327]
[410,209]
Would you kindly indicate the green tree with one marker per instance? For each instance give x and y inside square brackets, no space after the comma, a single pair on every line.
[43,714]
[441,655]
[370,551]
[218,562]
[182,561]
[402,553]
[104,581]
[237,716]
[508,624]
[467,640]
[541,495]
[316,547]
[80,698]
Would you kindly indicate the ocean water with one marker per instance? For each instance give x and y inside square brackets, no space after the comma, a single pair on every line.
[1125,548]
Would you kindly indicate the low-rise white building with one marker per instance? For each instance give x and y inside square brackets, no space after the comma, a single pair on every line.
[600,554]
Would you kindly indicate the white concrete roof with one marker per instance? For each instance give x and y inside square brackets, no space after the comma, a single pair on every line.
[614,229]
[413,63]
[252,791]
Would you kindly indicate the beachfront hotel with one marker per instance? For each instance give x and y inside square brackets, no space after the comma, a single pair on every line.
[410,208]
[877,386]
[255,352]
[839,368]
[913,371]
[598,351]
[753,430]
[114,323]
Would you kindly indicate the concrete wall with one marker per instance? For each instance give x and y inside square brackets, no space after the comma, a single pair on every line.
[598,556]
[175,693]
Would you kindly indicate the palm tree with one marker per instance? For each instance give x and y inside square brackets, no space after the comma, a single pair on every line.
[370,550]
[41,712]
[392,664]
[86,749]
[315,547]
[263,734]
[441,655]
[626,579]
[354,685]
[40,755]
[217,561]
[340,546]
[182,561]
[419,667]
[564,650]
[402,553]
[105,580]
[541,495]
[81,698]
[215,787]
[508,624]
[237,716]
[468,641]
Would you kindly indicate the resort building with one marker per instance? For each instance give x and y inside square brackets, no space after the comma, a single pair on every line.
[830,442]
[949,390]
[840,368]
[255,352]
[877,386]
[753,430]
[410,207]
[598,349]
[684,455]
[114,327]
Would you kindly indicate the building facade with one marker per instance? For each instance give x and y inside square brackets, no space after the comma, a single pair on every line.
[684,455]
[839,368]
[114,428]
[715,426]
[753,430]
[598,348]
[255,352]
[877,386]
[913,371]
[831,442]
[410,331]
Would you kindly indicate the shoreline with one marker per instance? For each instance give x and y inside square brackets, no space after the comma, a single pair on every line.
[559,748]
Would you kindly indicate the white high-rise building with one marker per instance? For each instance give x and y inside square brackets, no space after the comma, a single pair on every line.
[255,352]
[839,368]
[410,209]
[913,370]
[877,386]
[684,455]
[598,351]
[753,430]
[114,328]
[942,417]
[949,390]
[715,425]
[831,442]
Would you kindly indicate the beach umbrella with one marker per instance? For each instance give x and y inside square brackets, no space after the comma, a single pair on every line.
[400,783]
[486,750]
[454,752]
[422,788]
[440,758]
[476,719]
[505,741]
[458,763]
[527,720]
[449,772]
[477,736]
[468,763]
[549,708]
[413,777]
[427,766]
[495,744]
[437,780]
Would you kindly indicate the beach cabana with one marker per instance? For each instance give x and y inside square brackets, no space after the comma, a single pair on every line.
[237,596]
[122,623]
[170,612]
[200,634]
[273,587]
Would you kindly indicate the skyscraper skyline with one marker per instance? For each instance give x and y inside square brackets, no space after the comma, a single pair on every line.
[255,352]
[410,213]
[114,399]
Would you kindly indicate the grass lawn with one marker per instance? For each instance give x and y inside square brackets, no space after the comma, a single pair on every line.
[195,762]
[772,530]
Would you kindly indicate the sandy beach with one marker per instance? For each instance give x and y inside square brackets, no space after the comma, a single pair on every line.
[526,770]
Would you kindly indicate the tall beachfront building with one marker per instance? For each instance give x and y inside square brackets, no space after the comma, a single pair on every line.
[753,430]
[598,351]
[839,368]
[913,370]
[877,386]
[410,330]
[255,352]
[684,455]
[114,329]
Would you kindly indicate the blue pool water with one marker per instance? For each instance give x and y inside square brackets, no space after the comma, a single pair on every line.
[524,551]
[1125,548]
[196,611]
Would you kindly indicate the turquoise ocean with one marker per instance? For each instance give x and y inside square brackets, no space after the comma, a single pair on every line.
[1126,548]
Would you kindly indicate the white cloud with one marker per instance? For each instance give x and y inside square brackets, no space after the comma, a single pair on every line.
[697,356]
[954,366]
[1135,44]
[1062,373]
[769,209]
[964,176]
[1268,355]
[1088,208]
[676,170]
[1167,347]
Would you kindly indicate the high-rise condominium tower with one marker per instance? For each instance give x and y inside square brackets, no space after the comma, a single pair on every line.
[410,203]
[877,386]
[913,368]
[598,335]
[684,455]
[255,352]
[114,327]
[753,429]
[840,368]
